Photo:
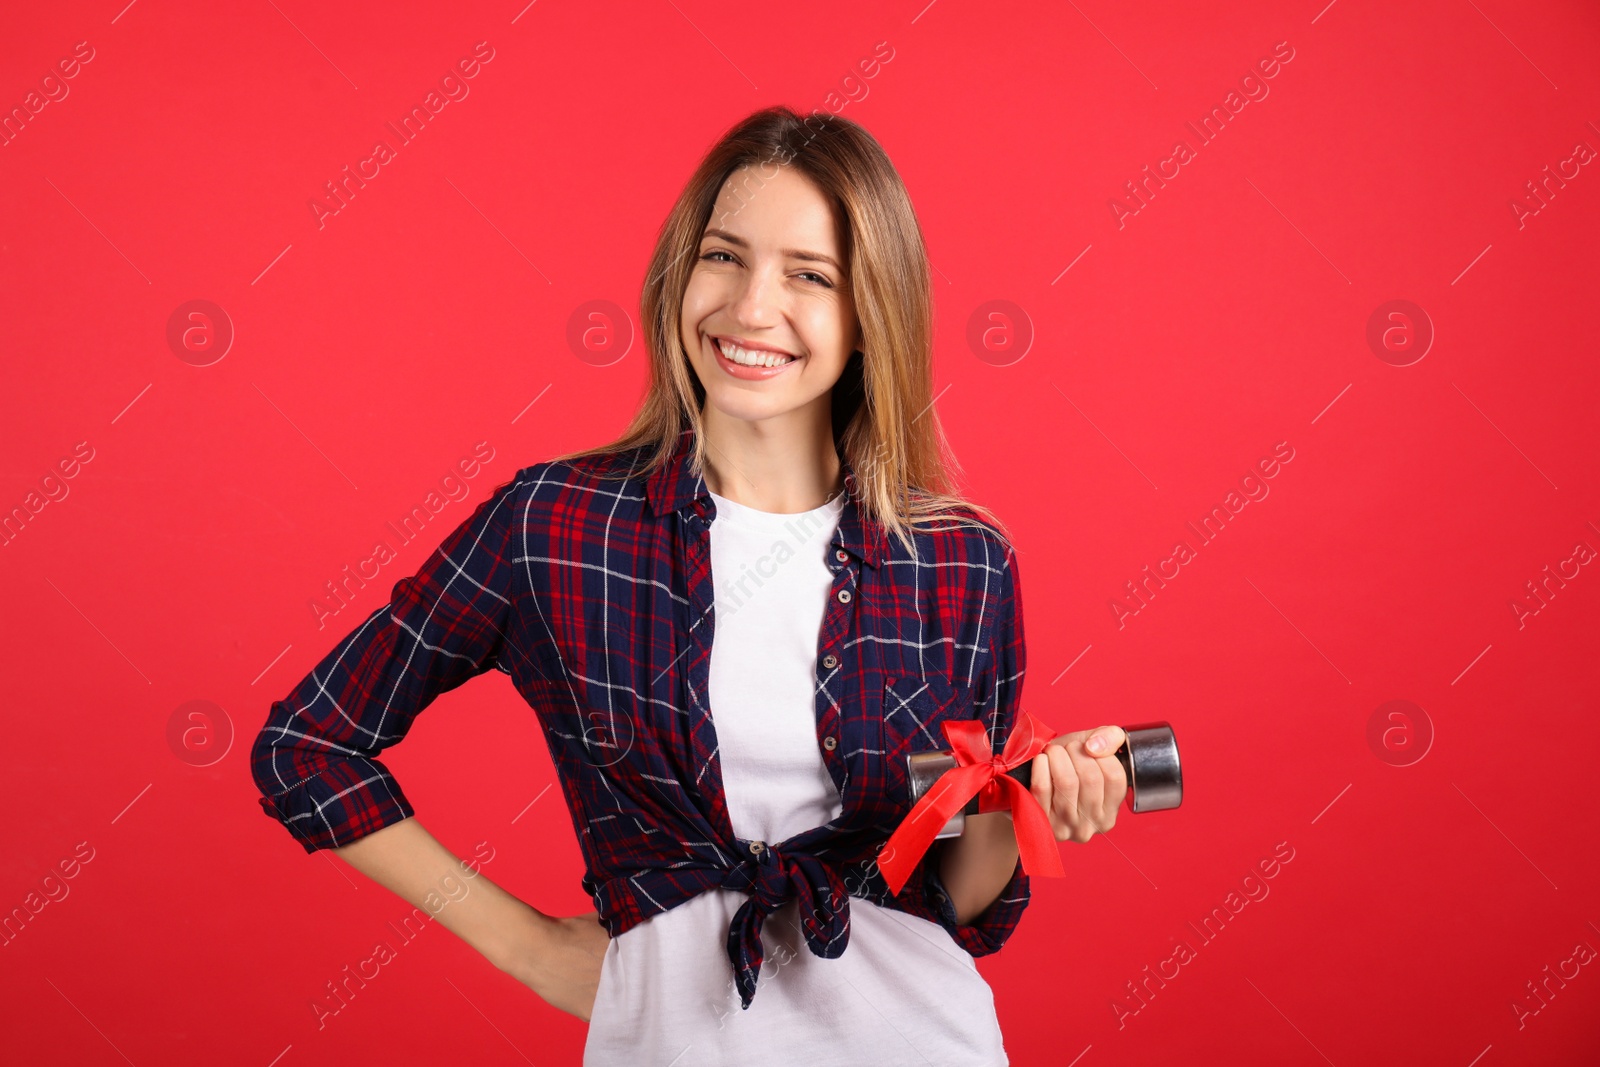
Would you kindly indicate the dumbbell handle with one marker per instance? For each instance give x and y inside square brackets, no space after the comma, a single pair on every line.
[1149,758]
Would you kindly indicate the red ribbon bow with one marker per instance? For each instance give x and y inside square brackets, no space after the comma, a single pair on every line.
[978,772]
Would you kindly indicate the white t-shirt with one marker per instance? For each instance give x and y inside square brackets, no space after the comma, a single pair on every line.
[903,991]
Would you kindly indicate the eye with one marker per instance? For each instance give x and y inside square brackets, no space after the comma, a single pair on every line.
[822,279]
[718,252]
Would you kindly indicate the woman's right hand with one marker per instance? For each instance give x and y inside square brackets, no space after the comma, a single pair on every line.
[559,959]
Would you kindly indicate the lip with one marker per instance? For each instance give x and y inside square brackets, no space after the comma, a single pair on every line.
[756,346]
[749,374]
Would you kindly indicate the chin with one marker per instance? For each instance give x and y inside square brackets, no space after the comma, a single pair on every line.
[747,408]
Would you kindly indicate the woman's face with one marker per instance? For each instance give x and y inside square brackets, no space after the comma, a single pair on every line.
[770,275]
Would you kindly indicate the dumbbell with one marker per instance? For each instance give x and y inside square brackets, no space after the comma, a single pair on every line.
[1149,758]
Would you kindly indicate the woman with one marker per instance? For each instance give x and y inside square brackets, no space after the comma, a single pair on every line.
[732,751]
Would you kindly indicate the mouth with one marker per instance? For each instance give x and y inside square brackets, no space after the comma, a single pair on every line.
[750,359]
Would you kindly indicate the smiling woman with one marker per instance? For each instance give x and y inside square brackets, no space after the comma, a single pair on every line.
[795,237]
[794,271]
[726,620]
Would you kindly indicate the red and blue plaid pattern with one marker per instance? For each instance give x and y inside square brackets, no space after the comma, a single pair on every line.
[595,597]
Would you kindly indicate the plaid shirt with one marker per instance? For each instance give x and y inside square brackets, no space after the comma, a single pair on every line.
[595,597]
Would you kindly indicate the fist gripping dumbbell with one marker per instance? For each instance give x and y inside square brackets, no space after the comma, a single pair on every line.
[1149,758]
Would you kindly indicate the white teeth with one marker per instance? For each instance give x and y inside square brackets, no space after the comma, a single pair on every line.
[752,359]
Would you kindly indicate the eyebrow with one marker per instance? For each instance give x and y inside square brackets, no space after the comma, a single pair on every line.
[792,253]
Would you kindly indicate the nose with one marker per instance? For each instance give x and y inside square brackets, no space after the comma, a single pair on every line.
[759,299]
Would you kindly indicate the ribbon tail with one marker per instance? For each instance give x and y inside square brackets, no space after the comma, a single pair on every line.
[911,840]
[1036,840]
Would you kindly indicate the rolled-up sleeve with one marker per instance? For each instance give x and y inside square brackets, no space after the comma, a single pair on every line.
[315,759]
[1002,682]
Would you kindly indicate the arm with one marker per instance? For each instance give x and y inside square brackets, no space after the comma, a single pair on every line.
[1076,780]
[557,958]
[976,866]
[314,761]
[980,867]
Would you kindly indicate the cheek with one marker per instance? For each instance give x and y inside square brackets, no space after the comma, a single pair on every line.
[828,338]
[699,299]
[824,331]
[689,321]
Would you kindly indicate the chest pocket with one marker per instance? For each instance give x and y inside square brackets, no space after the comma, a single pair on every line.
[914,710]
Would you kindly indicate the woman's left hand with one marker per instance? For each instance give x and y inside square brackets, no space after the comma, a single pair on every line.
[1081,786]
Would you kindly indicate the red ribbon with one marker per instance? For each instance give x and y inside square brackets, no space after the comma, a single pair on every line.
[978,772]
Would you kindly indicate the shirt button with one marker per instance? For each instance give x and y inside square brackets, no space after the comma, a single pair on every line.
[844,596]
[830,661]
[830,742]
[841,555]
[757,847]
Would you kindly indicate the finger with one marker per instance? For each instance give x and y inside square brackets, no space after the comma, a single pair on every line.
[1091,791]
[1064,787]
[1116,783]
[1068,739]
[1041,781]
[1105,740]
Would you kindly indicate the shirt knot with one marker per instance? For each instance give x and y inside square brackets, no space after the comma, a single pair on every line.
[773,877]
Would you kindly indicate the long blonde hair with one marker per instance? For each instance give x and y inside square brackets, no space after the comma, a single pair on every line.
[884,422]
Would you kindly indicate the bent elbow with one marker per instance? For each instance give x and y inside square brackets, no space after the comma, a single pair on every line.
[273,763]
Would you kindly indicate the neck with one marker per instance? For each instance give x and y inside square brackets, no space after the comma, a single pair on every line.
[786,464]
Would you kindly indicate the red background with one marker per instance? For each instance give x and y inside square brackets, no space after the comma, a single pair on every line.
[1227,315]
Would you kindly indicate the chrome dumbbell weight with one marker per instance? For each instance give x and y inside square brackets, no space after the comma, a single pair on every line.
[1149,758]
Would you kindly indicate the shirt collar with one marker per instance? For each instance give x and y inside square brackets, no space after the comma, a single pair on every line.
[675,486]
